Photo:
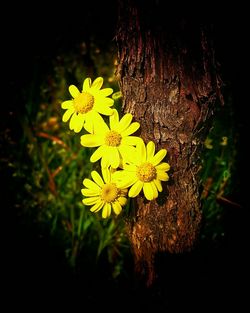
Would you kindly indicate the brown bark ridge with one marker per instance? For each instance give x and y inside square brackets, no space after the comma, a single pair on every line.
[168,79]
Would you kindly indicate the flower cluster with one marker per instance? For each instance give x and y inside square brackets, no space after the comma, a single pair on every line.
[128,166]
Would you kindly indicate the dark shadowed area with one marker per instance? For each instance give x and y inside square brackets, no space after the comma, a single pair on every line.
[212,276]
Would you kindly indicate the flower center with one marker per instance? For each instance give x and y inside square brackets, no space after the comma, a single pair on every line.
[113,139]
[84,102]
[146,172]
[109,192]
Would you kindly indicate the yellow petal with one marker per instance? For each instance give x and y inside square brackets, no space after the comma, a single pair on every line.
[67,104]
[91,185]
[150,150]
[88,125]
[117,95]
[158,184]
[67,115]
[106,175]
[130,140]
[163,166]
[130,168]
[105,92]
[117,175]
[114,119]
[135,189]
[114,157]
[148,191]
[125,122]
[107,102]
[97,154]
[90,201]
[78,123]
[126,180]
[123,192]
[102,101]
[74,91]
[116,207]
[97,83]
[105,162]
[86,84]
[141,151]
[89,192]
[160,155]
[128,153]
[97,207]
[122,201]
[131,129]
[97,178]
[106,210]
[155,191]
[73,121]
[91,141]
[103,109]
[91,118]
[161,175]
[100,127]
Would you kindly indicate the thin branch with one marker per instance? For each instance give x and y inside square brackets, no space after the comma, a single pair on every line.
[53,139]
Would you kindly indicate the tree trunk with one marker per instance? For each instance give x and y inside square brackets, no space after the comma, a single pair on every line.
[168,79]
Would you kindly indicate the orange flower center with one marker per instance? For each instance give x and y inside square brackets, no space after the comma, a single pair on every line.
[146,172]
[109,192]
[113,139]
[83,103]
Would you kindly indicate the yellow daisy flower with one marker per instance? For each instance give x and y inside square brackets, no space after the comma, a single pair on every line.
[103,193]
[86,106]
[114,143]
[144,171]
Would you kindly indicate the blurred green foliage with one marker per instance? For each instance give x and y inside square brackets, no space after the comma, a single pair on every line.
[51,163]
[218,170]
[56,164]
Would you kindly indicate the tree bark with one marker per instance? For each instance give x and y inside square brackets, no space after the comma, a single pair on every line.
[168,79]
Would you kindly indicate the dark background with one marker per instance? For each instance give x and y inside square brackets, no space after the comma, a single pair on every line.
[209,278]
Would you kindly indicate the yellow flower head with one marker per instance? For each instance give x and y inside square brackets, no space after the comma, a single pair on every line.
[114,143]
[224,140]
[144,171]
[86,106]
[208,143]
[103,193]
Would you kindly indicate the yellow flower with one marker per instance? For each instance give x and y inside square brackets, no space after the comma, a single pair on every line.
[208,143]
[144,171]
[103,193]
[224,141]
[86,106]
[114,143]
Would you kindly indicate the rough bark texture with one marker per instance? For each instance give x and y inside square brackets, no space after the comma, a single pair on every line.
[168,81]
